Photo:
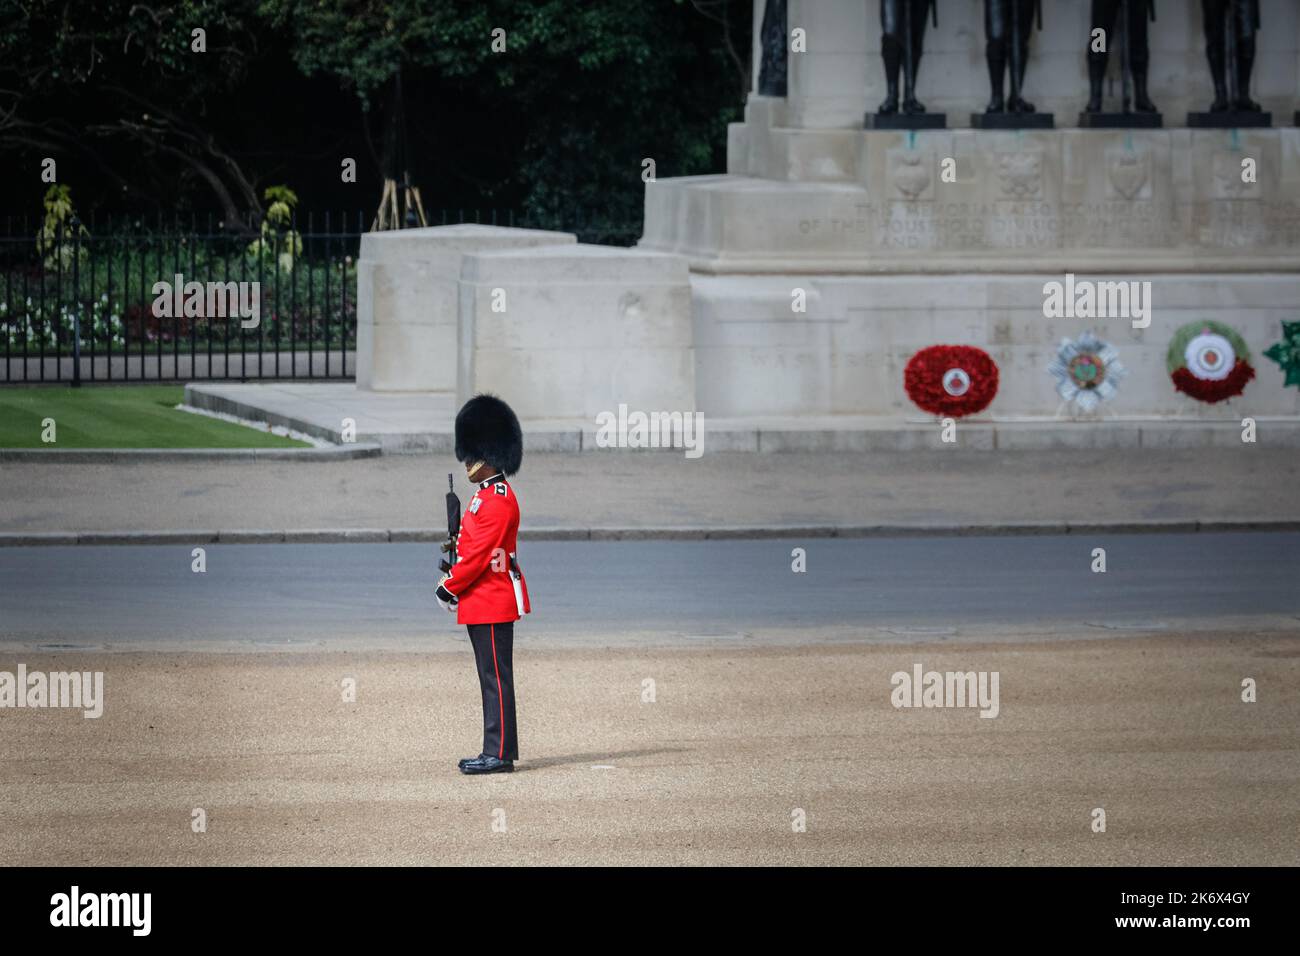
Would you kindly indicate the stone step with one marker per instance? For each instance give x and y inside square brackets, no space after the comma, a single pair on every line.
[421,423]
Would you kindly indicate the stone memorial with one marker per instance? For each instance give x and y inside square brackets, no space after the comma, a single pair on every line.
[1071,278]
[827,256]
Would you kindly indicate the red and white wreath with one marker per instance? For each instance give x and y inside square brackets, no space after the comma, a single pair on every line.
[951,380]
[1209,361]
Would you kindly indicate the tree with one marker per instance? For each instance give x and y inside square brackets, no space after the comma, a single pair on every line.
[582,92]
[554,117]
[123,70]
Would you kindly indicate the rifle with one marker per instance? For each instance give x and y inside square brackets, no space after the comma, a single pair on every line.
[453,527]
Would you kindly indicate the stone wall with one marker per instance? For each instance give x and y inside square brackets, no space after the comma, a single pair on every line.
[845,355]
[859,201]
[571,331]
[562,330]
[408,301]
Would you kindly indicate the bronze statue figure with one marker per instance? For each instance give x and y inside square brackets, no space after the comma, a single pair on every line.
[1105,13]
[772,68]
[1007,24]
[902,28]
[1230,27]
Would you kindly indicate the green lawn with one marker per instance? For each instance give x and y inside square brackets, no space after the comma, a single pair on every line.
[118,416]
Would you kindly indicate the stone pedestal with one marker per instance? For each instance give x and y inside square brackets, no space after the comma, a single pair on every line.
[905,121]
[1121,120]
[407,301]
[986,201]
[1230,119]
[1012,121]
[572,331]
[917,238]
[561,330]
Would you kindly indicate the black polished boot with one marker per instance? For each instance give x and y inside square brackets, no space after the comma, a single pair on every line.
[893,57]
[997,65]
[911,105]
[1245,64]
[486,764]
[1017,103]
[889,105]
[1141,102]
[1214,53]
[1096,78]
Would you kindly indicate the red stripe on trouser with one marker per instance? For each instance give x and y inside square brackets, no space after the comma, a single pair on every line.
[500,700]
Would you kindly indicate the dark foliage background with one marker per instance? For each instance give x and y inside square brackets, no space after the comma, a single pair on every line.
[560,123]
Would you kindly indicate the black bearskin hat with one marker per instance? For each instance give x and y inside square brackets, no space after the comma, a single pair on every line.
[488,430]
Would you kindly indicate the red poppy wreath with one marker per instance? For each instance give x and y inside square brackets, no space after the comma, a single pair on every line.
[1209,361]
[951,380]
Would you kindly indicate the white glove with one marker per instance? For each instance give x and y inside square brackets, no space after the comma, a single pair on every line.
[446,598]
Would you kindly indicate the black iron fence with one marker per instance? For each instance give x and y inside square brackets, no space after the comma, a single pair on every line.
[135,299]
[132,299]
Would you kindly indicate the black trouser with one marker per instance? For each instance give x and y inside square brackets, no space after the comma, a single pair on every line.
[494,655]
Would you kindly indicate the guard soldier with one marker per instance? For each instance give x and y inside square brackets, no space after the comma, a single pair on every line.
[1105,13]
[485,586]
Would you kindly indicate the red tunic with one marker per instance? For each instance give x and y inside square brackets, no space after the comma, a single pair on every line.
[480,578]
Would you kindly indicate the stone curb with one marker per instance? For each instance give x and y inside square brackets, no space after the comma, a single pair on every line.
[731,533]
[155,455]
[783,435]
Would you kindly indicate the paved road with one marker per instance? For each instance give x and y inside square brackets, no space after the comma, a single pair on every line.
[644,489]
[588,592]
